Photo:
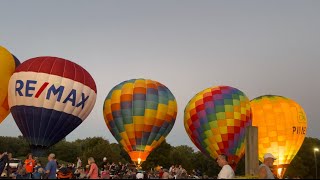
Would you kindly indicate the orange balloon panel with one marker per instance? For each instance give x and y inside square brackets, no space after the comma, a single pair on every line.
[139,156]
[282,127]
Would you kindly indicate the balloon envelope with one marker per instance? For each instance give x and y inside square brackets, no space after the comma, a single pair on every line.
[215,120]
[140,113]
[282,127]
[49,97]
[8,64]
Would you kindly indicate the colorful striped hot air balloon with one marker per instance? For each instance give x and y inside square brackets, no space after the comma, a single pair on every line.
[140,113]
[8,64]
[282,127]
[215,120]
[49,97]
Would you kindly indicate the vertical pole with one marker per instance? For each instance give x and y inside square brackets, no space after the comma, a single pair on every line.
[251,153]
[315,160]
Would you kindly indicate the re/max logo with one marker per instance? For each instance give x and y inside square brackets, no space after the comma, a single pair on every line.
[58,91]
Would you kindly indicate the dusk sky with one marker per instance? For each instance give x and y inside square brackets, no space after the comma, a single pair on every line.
[259,47]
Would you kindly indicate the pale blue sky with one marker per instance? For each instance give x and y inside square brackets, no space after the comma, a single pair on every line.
[259,47]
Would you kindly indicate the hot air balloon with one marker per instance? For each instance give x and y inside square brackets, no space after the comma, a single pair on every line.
[140,113]
[8,64]
[215,120]
[282,127]
[49,97]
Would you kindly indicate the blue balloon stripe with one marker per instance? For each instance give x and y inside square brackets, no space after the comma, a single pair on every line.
[67,122]
[64,126]
[20,124]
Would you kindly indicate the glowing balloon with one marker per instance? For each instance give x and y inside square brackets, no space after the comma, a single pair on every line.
[140,114]
[8,64]
[215,120]
[282,127]
[49,97]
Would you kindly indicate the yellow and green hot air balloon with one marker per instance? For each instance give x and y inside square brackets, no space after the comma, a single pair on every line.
[282,127]
[8,64]
[140,113]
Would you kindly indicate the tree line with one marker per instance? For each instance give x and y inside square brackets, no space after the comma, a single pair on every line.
[165,155]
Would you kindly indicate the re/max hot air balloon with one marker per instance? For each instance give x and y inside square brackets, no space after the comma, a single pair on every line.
[49,97]
[8,64]
[215,120]
[140,113]
[282,127]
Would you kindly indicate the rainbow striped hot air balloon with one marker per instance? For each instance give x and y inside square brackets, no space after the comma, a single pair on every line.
[140,113]
[8,64]
[282,127]
[49,97]
[215,120]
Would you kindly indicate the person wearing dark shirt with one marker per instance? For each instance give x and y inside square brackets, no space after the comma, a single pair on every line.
[113,169]
[3,161]
[104,164]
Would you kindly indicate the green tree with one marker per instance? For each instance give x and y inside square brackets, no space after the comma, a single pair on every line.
[182,155]
[67,151]
[18,146]
[304,164]
[158,157]
[98,148]
[207,165]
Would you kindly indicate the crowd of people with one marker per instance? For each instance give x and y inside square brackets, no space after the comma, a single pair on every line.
[32,168]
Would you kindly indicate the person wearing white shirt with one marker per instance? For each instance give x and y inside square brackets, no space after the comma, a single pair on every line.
[139,175]
[264,169]
[79,162]
[171,169]
[226,171]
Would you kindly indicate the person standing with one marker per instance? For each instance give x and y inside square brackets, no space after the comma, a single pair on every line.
[79,163]
[10,160]
[171,170]
[226,171]
[139,175]
[165,174]
[51,167]
[94,171]
[3,161]
[104,165]
[264,169]
[161,172]
[30,163]
[38,174]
